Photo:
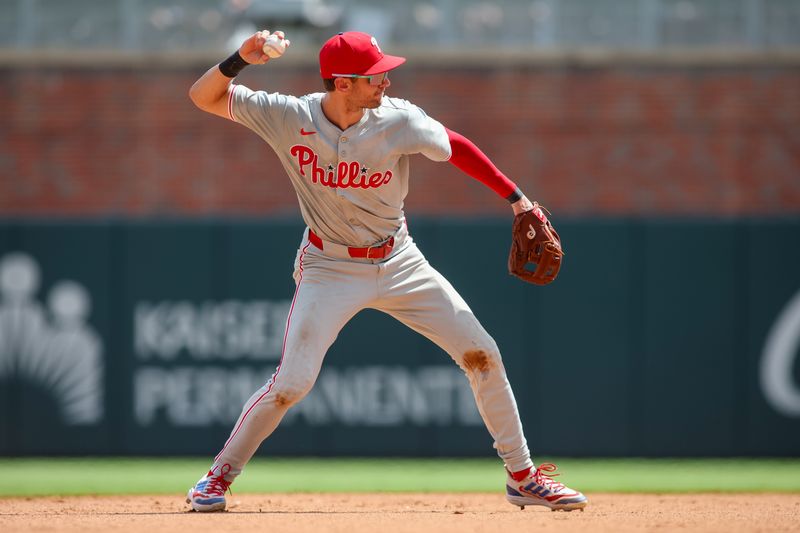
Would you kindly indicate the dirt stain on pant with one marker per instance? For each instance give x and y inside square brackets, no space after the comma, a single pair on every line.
[477,361]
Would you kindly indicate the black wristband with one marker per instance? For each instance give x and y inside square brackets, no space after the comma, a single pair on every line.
[515,196]
[232,66]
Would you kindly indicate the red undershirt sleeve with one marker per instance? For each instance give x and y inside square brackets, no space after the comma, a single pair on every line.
[469,159]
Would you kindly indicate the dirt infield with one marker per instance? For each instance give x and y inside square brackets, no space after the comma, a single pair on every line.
[389,513]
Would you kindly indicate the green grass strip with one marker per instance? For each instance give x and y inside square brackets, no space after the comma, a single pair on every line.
[60,476]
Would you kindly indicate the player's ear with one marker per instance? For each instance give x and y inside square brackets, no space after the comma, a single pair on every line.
[343,84]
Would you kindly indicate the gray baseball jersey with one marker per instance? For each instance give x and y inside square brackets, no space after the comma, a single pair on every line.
[351,184]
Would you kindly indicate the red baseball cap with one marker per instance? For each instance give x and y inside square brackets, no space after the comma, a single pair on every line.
[354,52]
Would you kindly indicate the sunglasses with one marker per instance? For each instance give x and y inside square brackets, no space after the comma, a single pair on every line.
[376,79]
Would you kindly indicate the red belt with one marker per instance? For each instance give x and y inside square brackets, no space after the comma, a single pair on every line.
[369,252]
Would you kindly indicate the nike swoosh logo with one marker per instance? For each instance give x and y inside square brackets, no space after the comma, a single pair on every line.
[304,132]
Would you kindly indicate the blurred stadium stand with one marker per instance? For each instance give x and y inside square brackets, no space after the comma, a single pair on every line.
[186,25]
[617,107]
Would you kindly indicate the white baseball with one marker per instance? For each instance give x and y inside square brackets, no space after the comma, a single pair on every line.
[274,46]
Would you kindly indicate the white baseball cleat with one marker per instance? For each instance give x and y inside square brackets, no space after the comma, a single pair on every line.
[208,494]
[539,488]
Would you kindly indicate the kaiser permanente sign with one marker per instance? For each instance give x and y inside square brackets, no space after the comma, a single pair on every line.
[145,339]
[251,333]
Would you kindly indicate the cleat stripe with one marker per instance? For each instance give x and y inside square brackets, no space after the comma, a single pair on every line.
[558,497]
[512,492]
[208,501]
[569,501]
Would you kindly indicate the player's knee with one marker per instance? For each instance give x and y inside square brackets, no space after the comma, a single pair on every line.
[287,394]
[482,359]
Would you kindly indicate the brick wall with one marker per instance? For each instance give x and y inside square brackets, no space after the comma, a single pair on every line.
[585,140]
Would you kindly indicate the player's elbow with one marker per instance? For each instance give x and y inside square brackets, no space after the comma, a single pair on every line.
[202,97]
[210,102]
[196,96]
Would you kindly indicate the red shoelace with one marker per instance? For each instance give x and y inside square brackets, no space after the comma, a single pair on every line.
[216,484]
[544,476]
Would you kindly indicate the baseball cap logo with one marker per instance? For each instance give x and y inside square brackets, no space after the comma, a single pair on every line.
[374,42]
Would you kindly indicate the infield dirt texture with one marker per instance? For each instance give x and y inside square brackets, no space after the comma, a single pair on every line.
[387,513]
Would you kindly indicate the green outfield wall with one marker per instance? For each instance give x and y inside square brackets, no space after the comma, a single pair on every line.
[660,338]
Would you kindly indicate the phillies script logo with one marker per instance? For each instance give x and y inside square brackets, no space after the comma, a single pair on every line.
[346,174]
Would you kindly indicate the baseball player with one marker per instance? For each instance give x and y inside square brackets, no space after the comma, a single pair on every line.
[346,151]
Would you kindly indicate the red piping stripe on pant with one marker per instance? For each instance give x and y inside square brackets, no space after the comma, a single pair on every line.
[274,377]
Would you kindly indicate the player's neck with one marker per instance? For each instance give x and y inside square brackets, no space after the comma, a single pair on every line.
[339,113]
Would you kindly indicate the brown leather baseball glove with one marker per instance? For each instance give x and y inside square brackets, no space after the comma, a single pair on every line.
[534,240]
